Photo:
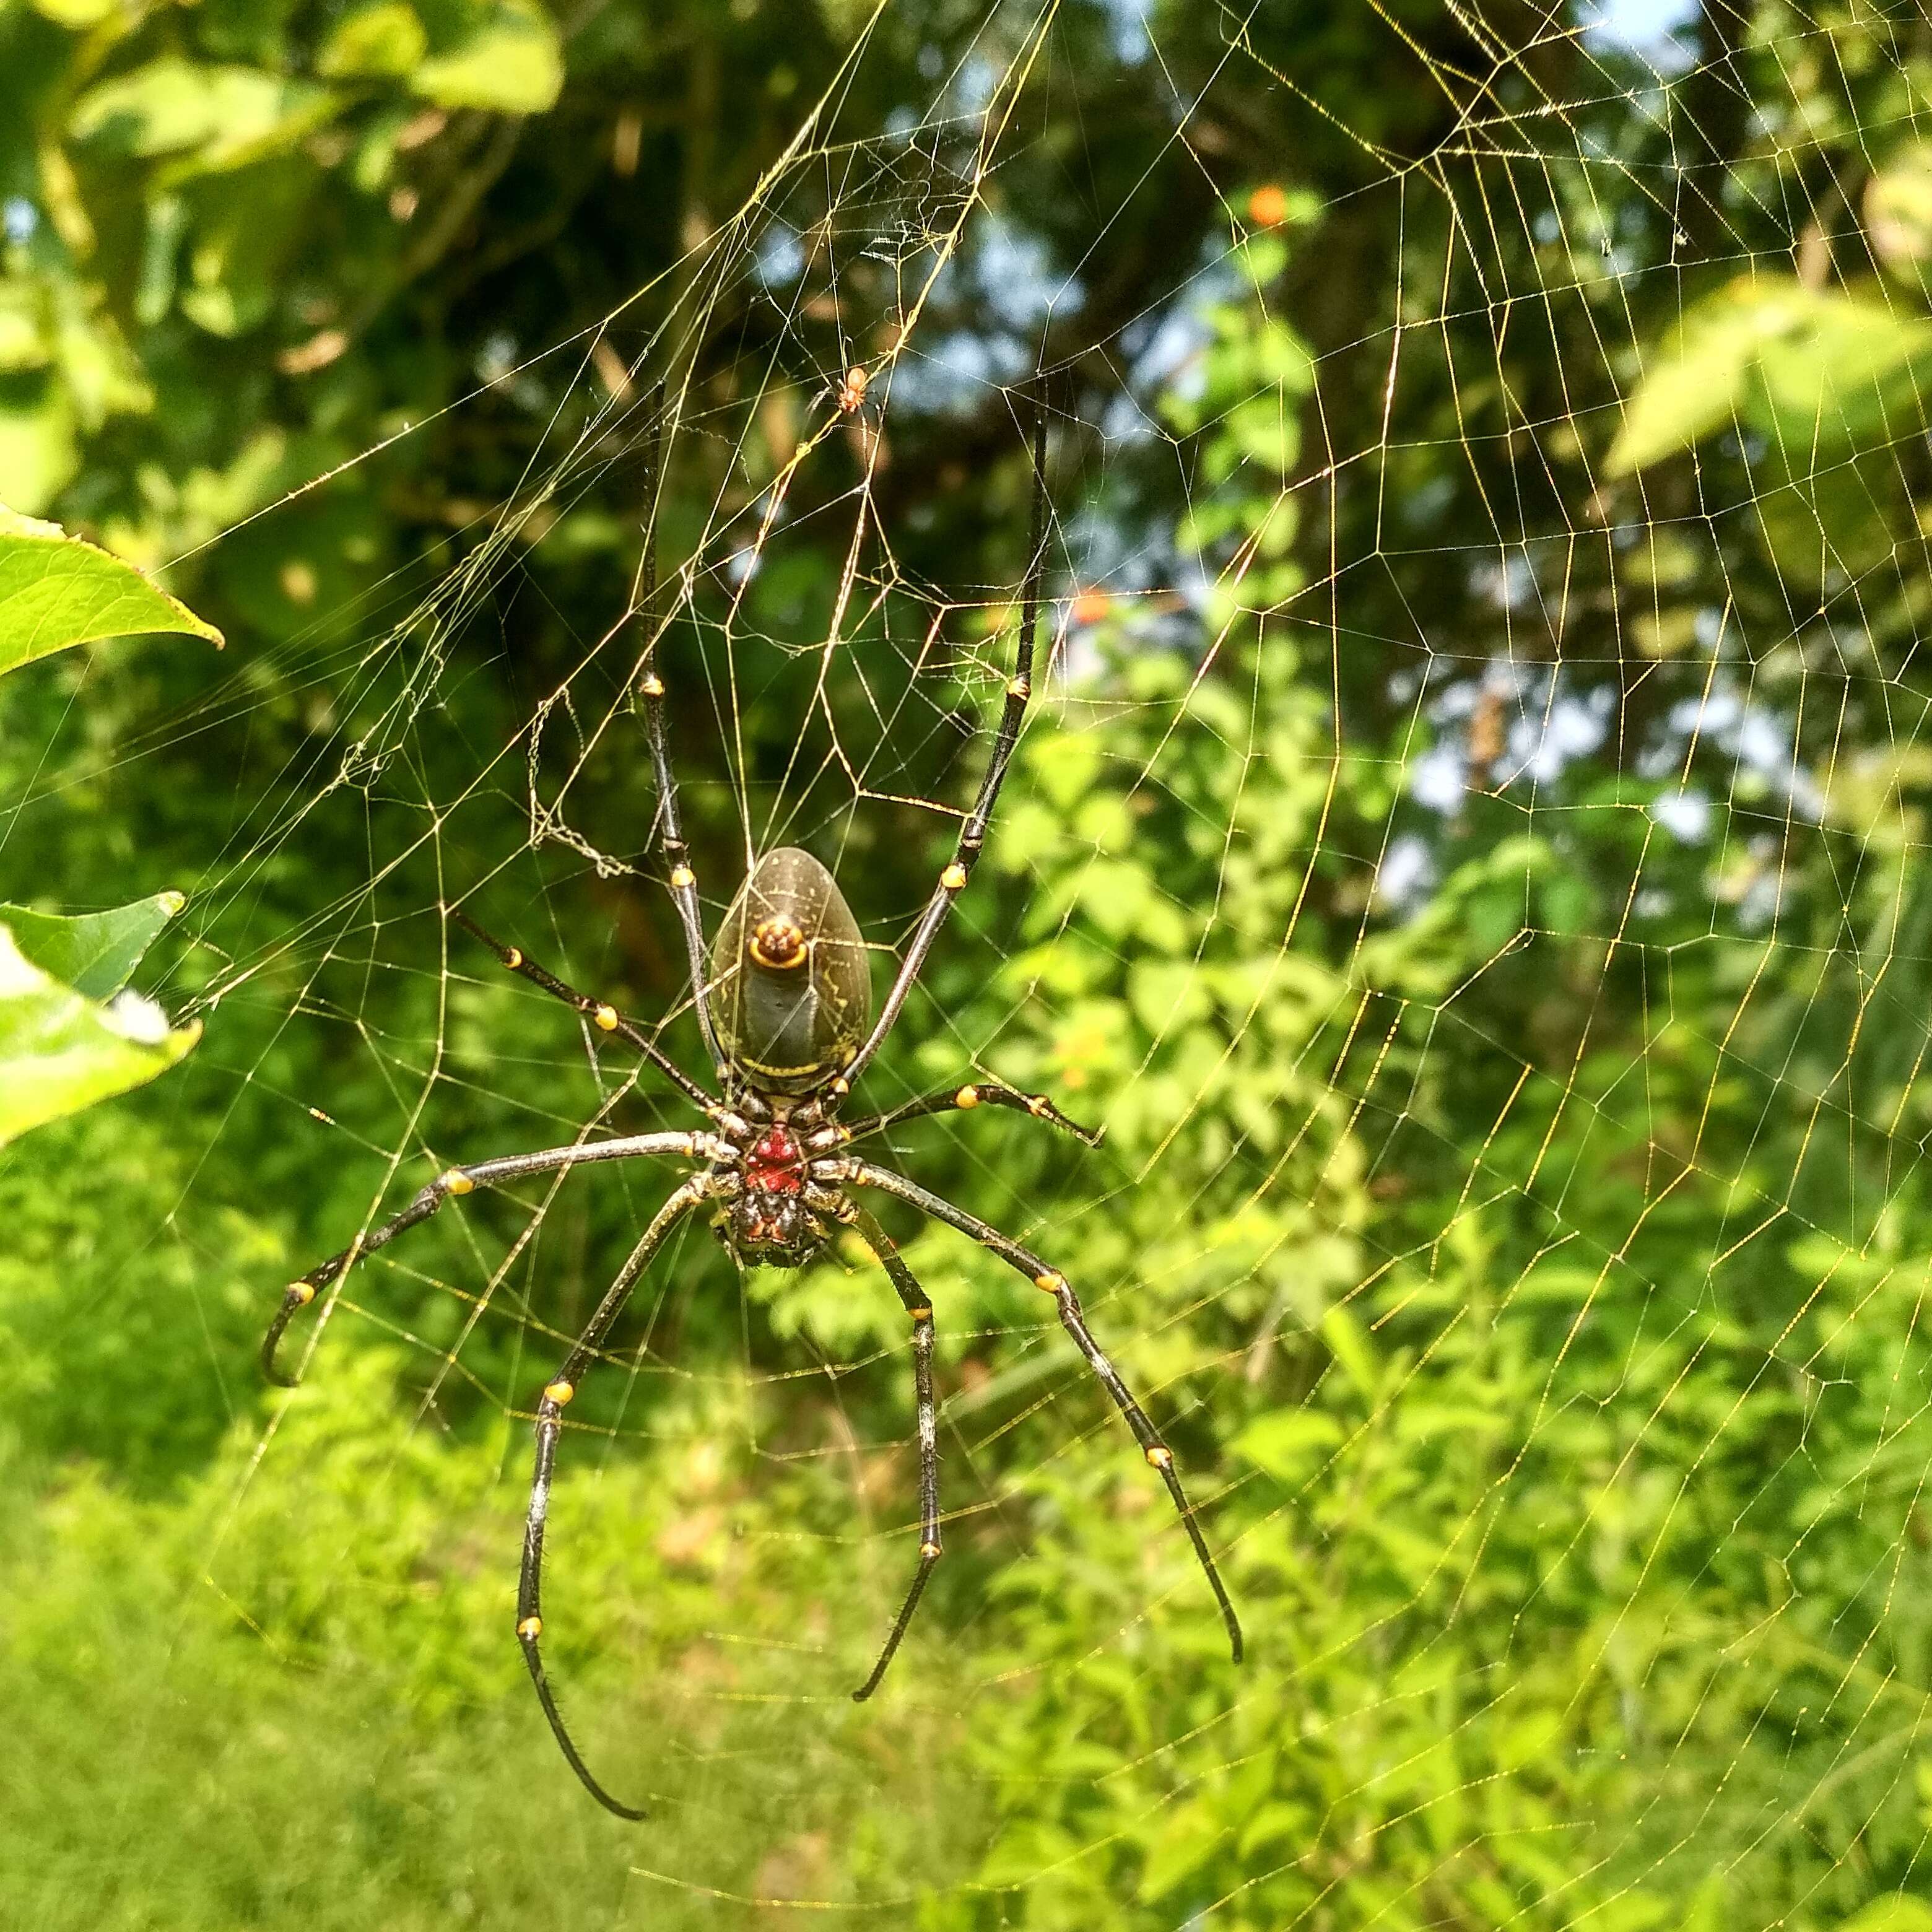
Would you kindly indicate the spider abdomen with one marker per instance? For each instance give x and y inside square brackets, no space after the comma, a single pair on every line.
[791,984]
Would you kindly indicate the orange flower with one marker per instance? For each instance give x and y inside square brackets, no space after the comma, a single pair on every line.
[1268,206]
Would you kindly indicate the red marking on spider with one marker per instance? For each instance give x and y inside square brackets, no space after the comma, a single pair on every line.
[776,1163]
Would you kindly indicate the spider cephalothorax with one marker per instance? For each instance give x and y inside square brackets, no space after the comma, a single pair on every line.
[784,1008]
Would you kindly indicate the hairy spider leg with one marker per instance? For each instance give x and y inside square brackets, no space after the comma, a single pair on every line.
[972,833]
[549,1413]
[465,1180]
[600,1012]
[683,880]
[1074,1320]
[976,1093]
[919,1306]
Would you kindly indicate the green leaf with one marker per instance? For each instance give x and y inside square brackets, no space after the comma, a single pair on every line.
[94,953]
[1804,364]
[60,1052]
[224,115]
[57,591]
[507,57]
[1185,1843]
[385,38]
[1896,1914]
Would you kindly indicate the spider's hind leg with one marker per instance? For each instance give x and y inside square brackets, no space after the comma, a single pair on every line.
[919,1306]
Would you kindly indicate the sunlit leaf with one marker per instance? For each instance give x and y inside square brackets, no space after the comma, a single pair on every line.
[57,591]
[508,58]
[94,953]
[223,114]
[386,37]
[60,1051]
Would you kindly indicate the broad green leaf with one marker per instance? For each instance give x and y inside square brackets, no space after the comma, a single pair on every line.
[39,450]
[60,1052]
[1896,1914]
[1693,386]
[94,953]
[385,38]
[57,591]
[223,114]
[508,58]
[1803,364]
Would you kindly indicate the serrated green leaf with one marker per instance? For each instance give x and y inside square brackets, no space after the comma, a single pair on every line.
[94,953]
[58,591]
[60,1052]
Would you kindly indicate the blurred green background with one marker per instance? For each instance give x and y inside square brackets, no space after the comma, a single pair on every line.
[1469,858]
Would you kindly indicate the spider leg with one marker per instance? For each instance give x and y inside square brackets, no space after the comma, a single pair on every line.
[651,689]
[600,1012]
[549,1425]
[549,1413]
[918,1306]
[1074,1320]
[978,1093]
[972,833]
[464,1180]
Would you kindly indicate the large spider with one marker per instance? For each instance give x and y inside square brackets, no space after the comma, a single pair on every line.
[783,1011]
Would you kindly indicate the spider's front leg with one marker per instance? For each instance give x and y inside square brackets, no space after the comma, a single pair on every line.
[918,1306]
[557,1394]
[467,1181]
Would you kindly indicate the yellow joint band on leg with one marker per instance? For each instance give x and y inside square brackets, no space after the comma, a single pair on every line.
[681,876]
[929,1549]
[457,1182]
[841,1084]
[1051,1283]
[954,878]
[304,1292]
[653,685]
[606,1018]
[920,1314]
[1160,1455]
[967,1096]
[513,958]
[1039,1104]
[530,1628]
[559,1392]
[1020,687]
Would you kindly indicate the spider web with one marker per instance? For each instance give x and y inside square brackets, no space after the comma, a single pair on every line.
[1464,855]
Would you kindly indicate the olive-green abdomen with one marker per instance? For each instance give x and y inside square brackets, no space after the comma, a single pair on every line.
[791,982]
